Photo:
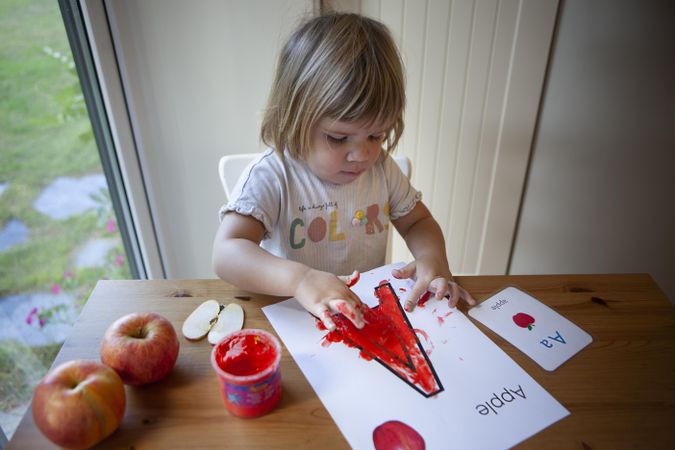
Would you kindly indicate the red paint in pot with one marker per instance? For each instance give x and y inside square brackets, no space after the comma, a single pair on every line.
[247,364]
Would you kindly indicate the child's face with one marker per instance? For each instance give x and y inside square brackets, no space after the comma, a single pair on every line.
[342,151]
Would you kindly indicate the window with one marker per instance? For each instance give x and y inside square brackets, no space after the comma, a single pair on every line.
[64,223]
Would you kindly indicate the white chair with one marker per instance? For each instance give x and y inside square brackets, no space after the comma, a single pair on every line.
[230,168]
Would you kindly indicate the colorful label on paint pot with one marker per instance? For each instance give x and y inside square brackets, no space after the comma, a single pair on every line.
[253,395]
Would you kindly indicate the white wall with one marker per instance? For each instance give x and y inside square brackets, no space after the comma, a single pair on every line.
[601,190]
[195,88]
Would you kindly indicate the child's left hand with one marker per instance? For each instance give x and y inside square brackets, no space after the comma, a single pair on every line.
[438,281]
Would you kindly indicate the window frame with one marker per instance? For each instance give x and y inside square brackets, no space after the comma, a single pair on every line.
[88,30]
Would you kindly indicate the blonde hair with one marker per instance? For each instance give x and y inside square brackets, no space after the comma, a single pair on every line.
[341,66]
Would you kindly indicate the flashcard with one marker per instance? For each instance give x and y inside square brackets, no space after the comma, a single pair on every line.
[532,327]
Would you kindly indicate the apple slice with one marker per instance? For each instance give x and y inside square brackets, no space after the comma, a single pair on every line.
[201,320]
[230,319]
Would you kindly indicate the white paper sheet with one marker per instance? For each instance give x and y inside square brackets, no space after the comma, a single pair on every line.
[488,401]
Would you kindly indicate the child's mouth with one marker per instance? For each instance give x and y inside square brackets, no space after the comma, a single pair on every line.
[353,173]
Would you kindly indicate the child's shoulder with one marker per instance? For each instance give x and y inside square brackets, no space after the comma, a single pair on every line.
[266,160]
[273,164]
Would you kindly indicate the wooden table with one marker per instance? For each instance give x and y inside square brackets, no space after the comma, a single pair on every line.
[620,390]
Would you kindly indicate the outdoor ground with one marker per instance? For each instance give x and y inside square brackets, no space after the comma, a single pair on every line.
[58,233]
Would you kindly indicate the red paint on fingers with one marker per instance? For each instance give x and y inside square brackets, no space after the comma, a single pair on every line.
[344,309]
[354,280]
[424,298]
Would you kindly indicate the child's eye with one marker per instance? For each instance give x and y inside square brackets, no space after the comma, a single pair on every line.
[336,139]
[376,137]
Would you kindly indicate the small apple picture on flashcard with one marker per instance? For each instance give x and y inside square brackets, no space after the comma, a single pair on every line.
[524,320]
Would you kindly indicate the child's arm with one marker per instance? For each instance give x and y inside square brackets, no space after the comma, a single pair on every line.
[239,259]
[430,268]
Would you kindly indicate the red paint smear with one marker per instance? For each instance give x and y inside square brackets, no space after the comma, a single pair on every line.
[389,339]
[441,319]
[426,338]
[245,355]
[423,299]
[395,435]
[402,289]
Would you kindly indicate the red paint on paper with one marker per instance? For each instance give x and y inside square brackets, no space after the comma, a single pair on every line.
[430,345]
[441,321]
[396,435]
[389,338]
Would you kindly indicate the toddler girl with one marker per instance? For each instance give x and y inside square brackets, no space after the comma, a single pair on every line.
[319,202]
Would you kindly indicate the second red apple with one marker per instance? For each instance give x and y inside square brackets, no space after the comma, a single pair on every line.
[141,347]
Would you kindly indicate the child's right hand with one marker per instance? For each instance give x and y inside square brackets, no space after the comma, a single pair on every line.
[322,294]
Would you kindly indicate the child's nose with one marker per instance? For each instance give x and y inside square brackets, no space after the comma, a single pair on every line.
[360,152]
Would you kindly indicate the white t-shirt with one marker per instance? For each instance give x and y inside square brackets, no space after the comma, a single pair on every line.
[329,227]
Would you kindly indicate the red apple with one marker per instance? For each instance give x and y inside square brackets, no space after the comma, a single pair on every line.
[79,403]
[396,435]
[141,347]
[524,320]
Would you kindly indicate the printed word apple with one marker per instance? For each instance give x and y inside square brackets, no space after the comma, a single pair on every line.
[395,435]
[497,401]
[141,347]
[213,319]
[499,304]
[524,321]
[79,403]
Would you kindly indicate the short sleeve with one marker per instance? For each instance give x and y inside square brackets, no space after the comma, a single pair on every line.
[257,193]
[402,195]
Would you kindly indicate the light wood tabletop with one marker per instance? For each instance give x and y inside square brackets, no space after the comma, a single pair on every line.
[620,390]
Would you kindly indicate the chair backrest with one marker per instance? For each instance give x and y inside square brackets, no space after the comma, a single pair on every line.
[405,165]
[230,167]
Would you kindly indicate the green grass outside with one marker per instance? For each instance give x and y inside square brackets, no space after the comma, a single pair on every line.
[44,133]
[22,368]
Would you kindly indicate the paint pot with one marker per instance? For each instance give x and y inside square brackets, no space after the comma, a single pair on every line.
[247,365]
